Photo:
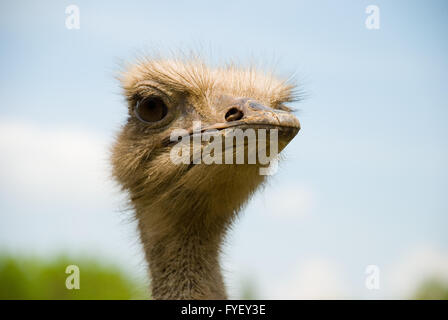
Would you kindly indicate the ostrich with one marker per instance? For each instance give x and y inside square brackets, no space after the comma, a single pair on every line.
[183,210]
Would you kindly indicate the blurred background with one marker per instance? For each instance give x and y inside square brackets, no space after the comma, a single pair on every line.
[365,182]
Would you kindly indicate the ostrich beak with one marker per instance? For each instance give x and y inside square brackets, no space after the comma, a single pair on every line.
[246,113]
[249,114]
[258,114]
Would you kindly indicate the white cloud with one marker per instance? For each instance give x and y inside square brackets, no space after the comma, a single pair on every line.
[415,266]
[315,278]
[54,165]
[322,278]
[57,196]
[286,202]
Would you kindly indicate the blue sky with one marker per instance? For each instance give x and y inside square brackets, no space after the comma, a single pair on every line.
[364,182]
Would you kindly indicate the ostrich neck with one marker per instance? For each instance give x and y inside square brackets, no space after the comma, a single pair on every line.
[183,253]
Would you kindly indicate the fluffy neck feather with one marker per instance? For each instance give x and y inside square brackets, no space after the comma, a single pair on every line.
[182,230]
[183,257]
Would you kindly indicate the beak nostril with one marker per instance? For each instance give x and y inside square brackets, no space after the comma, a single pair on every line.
[234,114]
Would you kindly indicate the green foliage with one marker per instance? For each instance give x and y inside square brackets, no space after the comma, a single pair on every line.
[37,278]
[248,289]
[432,289]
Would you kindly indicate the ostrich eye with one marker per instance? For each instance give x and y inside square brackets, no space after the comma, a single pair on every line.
[151,110]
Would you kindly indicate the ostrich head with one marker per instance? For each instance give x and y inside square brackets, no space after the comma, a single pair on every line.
[184,208]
